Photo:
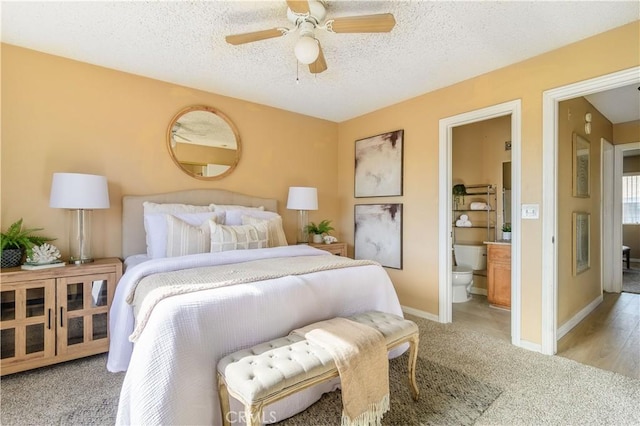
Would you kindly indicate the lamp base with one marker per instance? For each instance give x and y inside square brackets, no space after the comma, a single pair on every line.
[303,235]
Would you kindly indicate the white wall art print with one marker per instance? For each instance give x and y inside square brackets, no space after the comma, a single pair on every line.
[378,233]
[378,165]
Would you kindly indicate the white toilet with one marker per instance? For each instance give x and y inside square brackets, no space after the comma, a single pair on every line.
[468,258]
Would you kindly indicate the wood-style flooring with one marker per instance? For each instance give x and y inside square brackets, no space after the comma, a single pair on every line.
[608,338]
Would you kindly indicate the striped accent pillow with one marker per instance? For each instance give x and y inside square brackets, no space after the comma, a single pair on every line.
[241,237]
[275,233]
[183,238]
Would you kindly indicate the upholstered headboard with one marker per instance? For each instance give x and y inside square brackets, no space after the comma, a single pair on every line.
[133,235]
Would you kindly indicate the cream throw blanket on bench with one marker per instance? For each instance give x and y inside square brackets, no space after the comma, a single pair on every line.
[360,354]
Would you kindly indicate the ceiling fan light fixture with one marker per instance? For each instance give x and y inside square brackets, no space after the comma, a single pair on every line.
[307,50]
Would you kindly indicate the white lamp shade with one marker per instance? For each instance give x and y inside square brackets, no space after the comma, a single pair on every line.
[307,50]
[79,191]
[302,198]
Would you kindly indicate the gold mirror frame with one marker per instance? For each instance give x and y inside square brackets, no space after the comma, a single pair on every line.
[213,132]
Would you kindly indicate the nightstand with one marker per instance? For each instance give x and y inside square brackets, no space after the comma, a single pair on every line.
[339,249]
[57,314]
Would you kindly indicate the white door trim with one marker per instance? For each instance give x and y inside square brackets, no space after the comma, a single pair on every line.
[550,100]
[607,229]
[445,196]
[618,154]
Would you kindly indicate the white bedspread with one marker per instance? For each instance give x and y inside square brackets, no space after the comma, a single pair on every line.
[170,375]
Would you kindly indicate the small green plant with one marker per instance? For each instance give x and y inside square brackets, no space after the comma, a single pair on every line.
[506,227]
[459,191]
[22,239]
[321,228]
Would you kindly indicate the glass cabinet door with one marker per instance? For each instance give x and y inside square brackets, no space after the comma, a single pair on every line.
[83,312]
[27,327]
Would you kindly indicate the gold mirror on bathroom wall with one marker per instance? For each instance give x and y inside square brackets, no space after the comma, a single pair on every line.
[203,142]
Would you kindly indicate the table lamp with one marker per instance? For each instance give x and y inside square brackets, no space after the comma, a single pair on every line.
[80,193]
[303,199]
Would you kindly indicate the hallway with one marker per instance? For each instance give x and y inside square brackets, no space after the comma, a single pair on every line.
[608,338]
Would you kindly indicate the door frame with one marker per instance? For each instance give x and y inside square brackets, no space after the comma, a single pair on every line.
[607,211]
[445,234]
[550,100]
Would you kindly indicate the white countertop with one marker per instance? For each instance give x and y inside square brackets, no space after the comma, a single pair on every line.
[501,242]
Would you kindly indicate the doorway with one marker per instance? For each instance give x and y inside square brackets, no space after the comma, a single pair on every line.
[445,237]
[551,100]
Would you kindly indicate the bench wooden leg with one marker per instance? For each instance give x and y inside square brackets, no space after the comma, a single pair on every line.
[413,358]
[254,414]
[223,394]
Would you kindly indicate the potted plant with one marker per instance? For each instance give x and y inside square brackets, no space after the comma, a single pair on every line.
[15,242]
[506,231]
[459,191]
[319,230]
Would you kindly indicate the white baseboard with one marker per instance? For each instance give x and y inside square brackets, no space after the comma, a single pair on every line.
[567,326]
[480,291]
[524,344]
[419,313]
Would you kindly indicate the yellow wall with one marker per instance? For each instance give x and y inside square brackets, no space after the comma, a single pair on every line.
[417,283]
[61,115]
[577,291]
[478,151]
[626,132]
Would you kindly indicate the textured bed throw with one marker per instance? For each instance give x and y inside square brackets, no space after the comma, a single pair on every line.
[154,288]
[360,354]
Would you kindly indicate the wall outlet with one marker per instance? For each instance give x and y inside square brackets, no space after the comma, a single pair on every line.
[530,211]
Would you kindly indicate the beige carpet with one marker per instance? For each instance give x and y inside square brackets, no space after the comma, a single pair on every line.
[461,373]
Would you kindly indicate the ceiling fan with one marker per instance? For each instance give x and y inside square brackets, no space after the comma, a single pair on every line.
[307,16]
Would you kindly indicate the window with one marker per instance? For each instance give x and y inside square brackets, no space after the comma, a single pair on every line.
[631,199]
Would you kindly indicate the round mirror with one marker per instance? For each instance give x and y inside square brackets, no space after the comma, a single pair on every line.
[203,142]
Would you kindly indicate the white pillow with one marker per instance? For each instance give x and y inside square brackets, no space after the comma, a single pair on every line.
[150,207]
[242,237]
[234,217]
[183,239]
[275,234]
[155,225]
[226,207]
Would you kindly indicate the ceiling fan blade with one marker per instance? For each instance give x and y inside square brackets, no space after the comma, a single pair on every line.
[382,23]
[320,65]
[298,6]
[254,36]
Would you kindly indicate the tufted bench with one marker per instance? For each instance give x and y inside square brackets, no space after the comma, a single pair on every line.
[270,371]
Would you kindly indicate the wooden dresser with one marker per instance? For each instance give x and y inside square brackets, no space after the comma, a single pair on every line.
[55,314]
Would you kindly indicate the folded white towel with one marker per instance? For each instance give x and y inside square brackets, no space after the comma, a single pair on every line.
[459,223]
[464,217]
[479,206]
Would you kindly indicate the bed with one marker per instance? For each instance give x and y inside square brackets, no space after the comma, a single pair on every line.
[171,367]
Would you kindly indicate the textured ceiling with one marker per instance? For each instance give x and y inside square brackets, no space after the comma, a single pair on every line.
[434,44]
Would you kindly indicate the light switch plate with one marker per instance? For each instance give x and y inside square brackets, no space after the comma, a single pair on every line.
[530,211]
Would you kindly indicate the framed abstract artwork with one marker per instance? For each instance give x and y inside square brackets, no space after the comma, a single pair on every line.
[581,242]
[581,169]
[378,233]
[378,165]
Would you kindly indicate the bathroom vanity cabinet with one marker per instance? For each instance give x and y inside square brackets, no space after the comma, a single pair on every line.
[483,222]
[499,274]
